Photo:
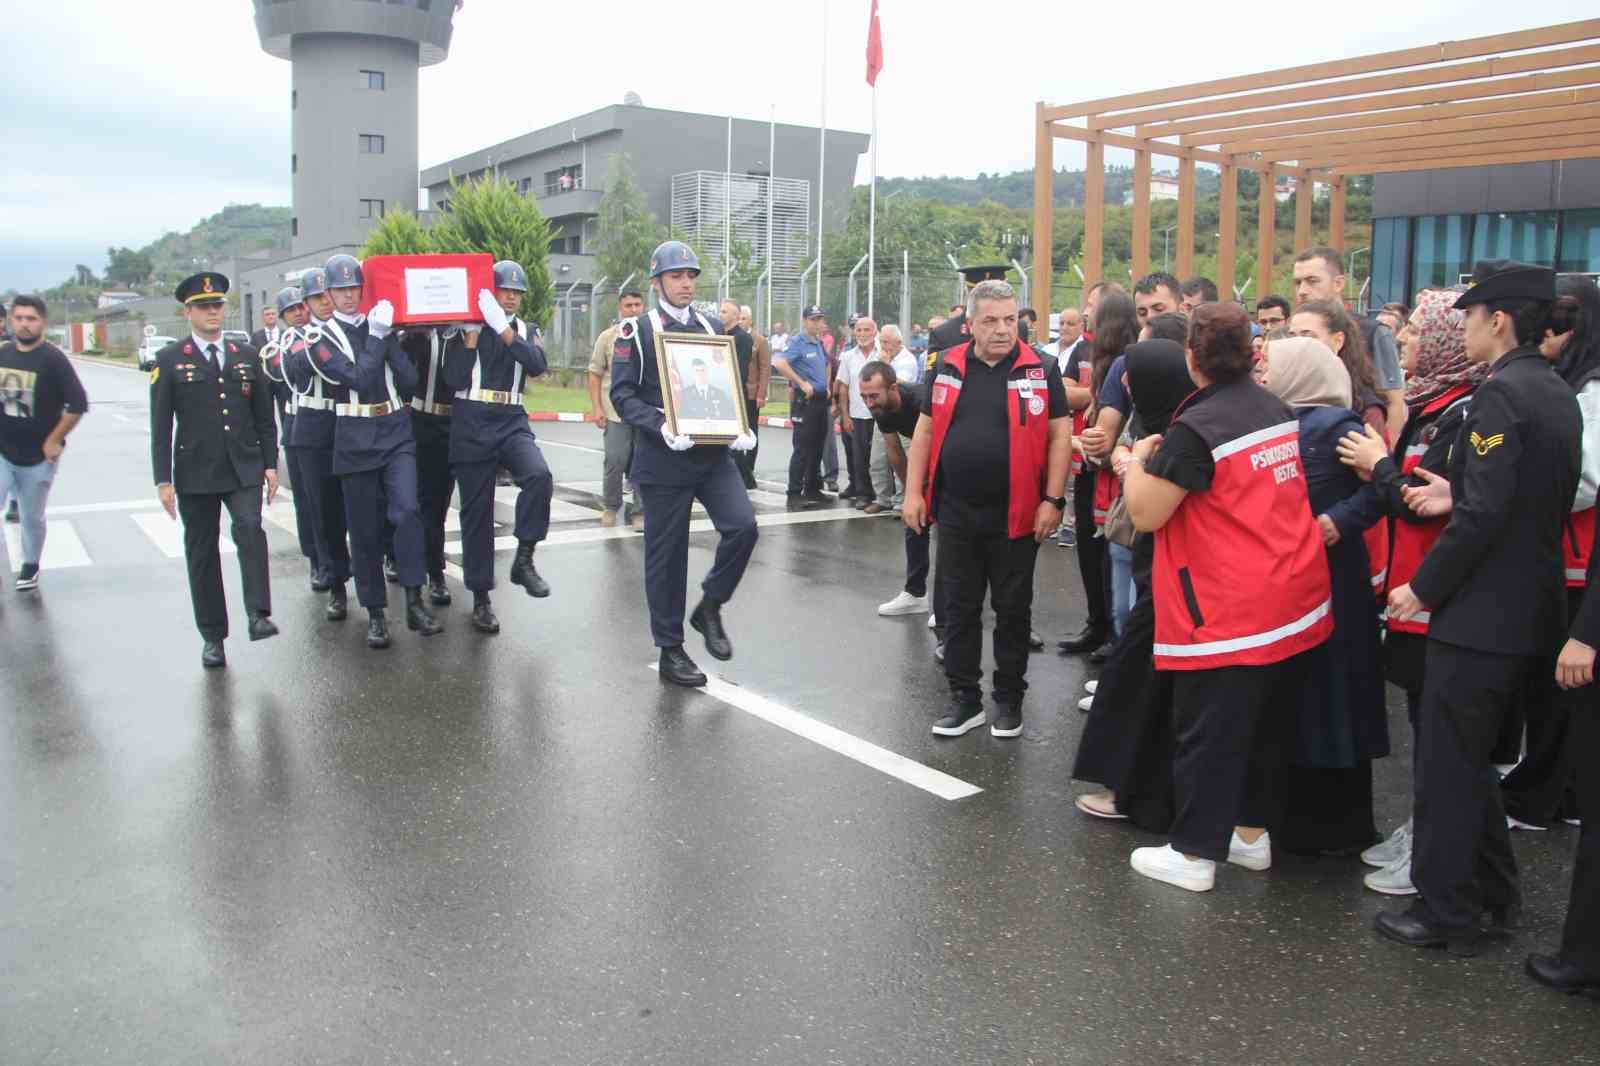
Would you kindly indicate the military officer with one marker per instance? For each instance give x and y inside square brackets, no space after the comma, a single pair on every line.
[290,312]
[374,454]
[430,425]
[1495,585]
[671,472]
[227,448]
[323,495]
[488,430]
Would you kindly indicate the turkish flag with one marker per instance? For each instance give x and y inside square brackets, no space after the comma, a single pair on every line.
[874,46]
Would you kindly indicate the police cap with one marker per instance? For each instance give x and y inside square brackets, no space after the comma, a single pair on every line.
[814,312]
[313,282]
[288,298]
[508,274]
[205,287]
[975,274]
[344,272]
[673,255]
[1511,281]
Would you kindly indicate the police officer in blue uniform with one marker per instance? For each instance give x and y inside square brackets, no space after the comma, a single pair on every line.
[322,494]
[671,472]
[374,453]
[489,429]
[430,425]
[292,315]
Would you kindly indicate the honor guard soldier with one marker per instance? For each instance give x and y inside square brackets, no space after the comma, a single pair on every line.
[430,425]
[312,438]
[290,312]
[227,447]
[488,430]
[374,453]
[671,472]
[1494,585]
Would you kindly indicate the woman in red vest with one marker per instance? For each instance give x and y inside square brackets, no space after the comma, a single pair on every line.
[1241,591]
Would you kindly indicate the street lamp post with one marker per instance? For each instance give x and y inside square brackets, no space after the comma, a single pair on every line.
[1166,248]
[1358,251]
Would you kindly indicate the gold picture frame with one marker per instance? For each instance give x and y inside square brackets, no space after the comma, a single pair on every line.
[702,389]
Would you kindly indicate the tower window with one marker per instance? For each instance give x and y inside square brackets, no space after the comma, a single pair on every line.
[294,164]
[294,99]
[372,79]
[371,208]
[294,227]
[371,144]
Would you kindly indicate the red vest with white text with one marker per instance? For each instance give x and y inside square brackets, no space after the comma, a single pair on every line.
[1241,576]
[1412,540]
[1577,542]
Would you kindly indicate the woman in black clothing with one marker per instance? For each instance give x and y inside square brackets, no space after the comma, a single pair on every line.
[1127,740]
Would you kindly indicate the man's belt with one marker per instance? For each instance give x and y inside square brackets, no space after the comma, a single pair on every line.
[314,403]
[419,404]
[365,410]
[508,399]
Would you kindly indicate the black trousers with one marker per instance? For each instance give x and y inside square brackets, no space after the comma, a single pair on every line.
[1461,861]
[435,483]
[859,443]
[917,564]
[1580,939]
[520,454]
[375,500]
[202,524]
[1093,562]
[746,461]
[326,496]
[1539,789]
[666,545]
[1233,732]
[305,524]
[970,565]
[810,431]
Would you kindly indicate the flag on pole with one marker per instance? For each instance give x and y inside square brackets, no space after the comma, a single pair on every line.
[874,46]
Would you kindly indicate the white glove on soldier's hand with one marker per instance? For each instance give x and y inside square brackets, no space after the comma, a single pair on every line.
[380,320]
[743,442]
[493,316]
[676,443]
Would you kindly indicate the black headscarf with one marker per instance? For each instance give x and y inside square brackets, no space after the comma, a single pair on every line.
[1580,363]
[1158,379]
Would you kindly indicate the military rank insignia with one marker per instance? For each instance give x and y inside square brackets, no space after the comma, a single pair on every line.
[1484,445]
[155,373]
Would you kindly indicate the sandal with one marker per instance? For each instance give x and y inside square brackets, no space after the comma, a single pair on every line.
[1100,805]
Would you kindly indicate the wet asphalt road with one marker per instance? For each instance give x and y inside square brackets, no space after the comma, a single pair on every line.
[524,849]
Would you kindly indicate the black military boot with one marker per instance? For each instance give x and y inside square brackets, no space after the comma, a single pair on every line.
[338,605]
[211,655]
[261,627]
[679,669]
[483,619]
[707,618]
[321,580]
[418,617]
[377,628]
[438,592]
[523,572]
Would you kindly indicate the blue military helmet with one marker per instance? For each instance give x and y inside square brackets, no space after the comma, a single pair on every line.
[673,255]
[288,298]
[508,274]
[313,282]
[344,272]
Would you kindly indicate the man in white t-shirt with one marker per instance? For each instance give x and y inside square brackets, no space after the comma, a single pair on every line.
[854,417]
[907,371]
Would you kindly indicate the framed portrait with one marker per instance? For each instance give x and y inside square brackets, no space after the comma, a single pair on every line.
[701,386]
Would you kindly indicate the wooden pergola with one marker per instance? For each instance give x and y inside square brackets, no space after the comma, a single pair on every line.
[1518,97]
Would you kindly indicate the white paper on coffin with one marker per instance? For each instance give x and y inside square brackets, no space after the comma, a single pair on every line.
[436,291]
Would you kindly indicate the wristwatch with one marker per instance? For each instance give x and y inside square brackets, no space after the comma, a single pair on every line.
[1058,502]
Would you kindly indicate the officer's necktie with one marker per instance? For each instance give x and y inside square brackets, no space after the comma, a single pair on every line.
[211,358]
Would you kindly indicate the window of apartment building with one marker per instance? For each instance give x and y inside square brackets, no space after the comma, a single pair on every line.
[563,179]
[1440,250]
[443,205]
[294,164]
[371,144]
[525,186]
[1528,236]
[371,208]
[1580,241]
[294,99]
[372,79]
[294,227]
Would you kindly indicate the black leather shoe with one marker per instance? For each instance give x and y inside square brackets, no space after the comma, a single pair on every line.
[211,655]
[1406,927]
[1552,972]
[338,605]
[813,497]
[1099,656]
[438,592]
[525,574]
[418,618]
[1035,641]
[679,669]
[377,629]
[1088,640]
[261,627]
[1503,920]
[483,619]
[707,618]
[321,580]
[391,571]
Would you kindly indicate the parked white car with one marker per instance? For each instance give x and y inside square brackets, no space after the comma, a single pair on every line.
[149,348]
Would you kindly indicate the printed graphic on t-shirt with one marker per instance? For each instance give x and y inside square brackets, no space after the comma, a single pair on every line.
[16,392]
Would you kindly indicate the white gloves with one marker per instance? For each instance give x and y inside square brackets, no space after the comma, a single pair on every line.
[493,316]
[380,320]
[676,443]
[743,442]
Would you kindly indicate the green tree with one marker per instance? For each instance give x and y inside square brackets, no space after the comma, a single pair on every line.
[397,233]
[487,215]
[628,232]
[124,266]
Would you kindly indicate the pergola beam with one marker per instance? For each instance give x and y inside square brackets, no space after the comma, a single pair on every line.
[1162,148]
[1283,147]
[1479,159]
[1568,134]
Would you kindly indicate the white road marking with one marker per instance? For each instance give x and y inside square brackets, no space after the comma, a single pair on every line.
[546,443]
[864,752]
[149,503]
[167,535]
[63,548]
[700,525]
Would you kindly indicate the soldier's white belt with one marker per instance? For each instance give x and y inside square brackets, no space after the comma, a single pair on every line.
[510,399]
[365,410]
[419,404]
[315,403]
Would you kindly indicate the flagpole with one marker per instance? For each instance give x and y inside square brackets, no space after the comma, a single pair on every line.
[872,208]
[822,148]
[727,219]
[772,177]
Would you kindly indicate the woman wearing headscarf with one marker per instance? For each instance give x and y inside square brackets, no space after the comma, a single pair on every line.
[1342,723]
[1127,741]
[1441,381]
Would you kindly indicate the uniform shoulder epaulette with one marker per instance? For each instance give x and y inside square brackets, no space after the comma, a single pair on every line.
[628,328]
[627,335]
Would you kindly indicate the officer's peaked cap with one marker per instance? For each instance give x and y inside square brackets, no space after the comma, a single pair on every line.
[993,272]
[1512,281]
[203,287]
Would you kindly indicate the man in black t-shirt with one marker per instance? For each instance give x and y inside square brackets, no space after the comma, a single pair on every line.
[41,400]
[895,409]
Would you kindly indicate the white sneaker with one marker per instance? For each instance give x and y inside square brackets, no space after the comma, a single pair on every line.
[1091,686]
[1257,856]
[1391,851]
[933,623]
[1175,868]
[904,603]
[1392,880]
[1518,823]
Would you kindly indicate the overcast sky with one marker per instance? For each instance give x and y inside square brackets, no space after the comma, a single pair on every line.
[123,125]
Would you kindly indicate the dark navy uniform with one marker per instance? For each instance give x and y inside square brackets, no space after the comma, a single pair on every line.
[430,425]
[669,482]
[312,439]
[266,342]
[489,429]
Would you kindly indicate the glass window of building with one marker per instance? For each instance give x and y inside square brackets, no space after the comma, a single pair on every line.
[1580,242]
[1527,236]
[372,79]
[371,208]
[1440,250]
[371,144]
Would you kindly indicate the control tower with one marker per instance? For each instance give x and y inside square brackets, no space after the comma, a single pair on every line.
[354,107]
